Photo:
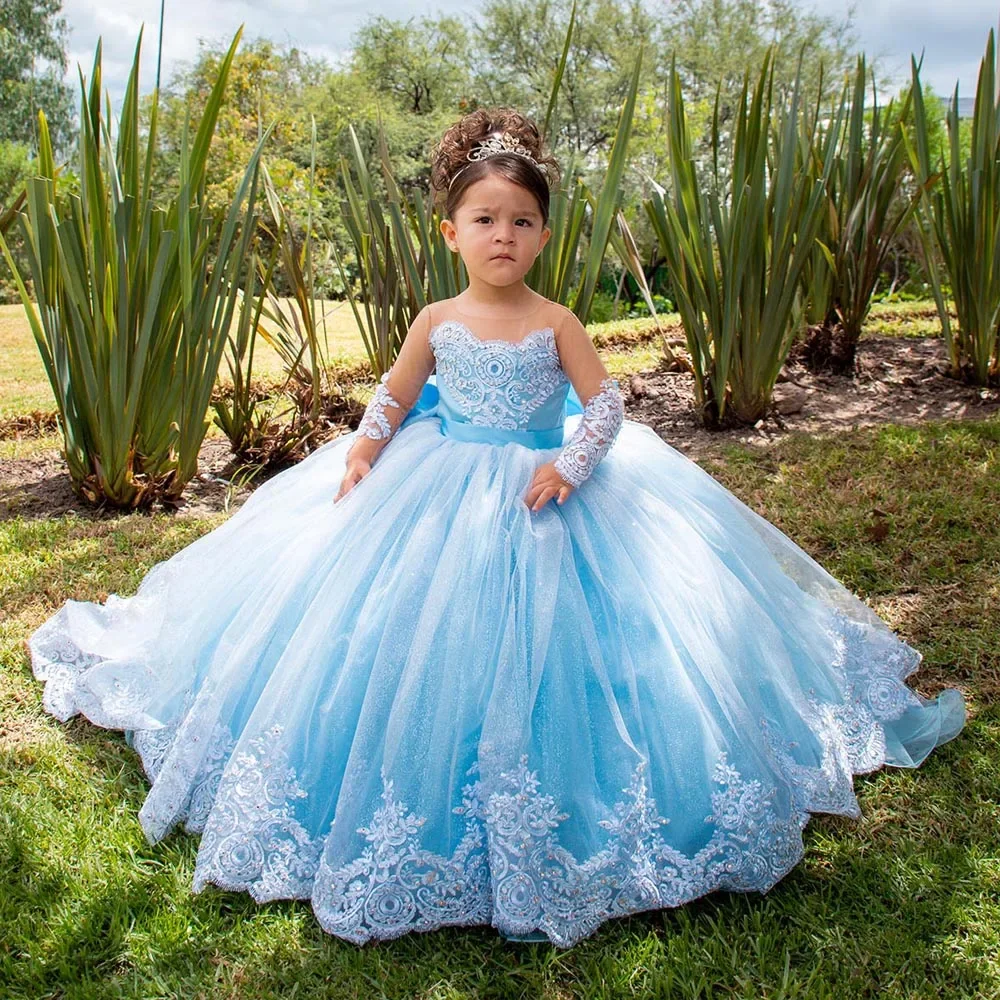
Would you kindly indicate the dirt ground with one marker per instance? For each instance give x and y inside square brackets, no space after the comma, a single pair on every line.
[897,380]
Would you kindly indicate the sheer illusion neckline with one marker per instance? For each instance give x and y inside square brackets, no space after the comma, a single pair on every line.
[490,340]
[512,319]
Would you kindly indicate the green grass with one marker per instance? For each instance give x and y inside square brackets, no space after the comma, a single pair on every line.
[904,904]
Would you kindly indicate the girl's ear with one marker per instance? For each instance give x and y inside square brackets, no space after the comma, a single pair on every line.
[448,232]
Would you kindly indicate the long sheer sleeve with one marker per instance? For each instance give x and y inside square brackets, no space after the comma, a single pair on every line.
[603,407]
[397,391]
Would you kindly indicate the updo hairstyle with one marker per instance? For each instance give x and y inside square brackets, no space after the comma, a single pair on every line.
[452,171]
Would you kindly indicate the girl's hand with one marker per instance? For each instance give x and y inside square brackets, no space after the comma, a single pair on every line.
[547,483]
[357,469]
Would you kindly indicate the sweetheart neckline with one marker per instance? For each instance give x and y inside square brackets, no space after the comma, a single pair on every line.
[489,340]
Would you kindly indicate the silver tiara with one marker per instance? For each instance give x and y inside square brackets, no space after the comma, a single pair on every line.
[497,142]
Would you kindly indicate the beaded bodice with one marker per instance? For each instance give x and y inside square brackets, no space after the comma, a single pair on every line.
[509,385]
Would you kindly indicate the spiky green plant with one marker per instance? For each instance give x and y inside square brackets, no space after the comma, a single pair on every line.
[135,300]
[737,248]
[391,284]
[240,413]
[867,205]
[960,219]
[298,331]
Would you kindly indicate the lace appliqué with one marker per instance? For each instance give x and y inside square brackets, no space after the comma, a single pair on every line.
[396,885]
[594,435]
[252,841]
[497,383]
[184,769]
[870,666]
[374,423]
[60,664]
[530,881]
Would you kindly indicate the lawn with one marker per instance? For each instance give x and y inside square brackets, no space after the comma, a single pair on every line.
[903,904]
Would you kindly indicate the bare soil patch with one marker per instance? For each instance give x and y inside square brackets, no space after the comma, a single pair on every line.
[899,380]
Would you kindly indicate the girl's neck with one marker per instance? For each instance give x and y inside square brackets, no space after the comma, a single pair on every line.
[514,301]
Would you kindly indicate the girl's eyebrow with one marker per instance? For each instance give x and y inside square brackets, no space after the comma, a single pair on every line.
[489,211]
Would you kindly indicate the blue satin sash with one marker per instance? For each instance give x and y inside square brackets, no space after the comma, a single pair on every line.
[427,405]
[548,437]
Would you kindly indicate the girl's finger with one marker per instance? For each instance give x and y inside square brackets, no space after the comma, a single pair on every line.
[546,493]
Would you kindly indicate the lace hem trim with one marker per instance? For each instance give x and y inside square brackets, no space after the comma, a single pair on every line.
[509,869]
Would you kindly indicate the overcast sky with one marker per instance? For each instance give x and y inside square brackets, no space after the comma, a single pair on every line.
[953,34]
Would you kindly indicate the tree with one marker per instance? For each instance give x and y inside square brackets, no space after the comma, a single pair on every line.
[716,42]
[414,77]
[267,85]
[32,63]
[421,63]
[519,43]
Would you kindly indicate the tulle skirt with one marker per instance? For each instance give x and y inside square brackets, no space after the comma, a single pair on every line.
[426,705]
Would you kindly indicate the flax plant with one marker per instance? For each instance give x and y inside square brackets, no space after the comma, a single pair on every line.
[239,413]
[737,249]
[297,331]
[960,220]
[385,303]
[867,205]
[135,300]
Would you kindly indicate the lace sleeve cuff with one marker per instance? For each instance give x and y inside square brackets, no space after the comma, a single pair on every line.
[596,432]
[374,423]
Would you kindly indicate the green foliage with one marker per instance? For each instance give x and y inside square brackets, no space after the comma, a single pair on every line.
[420,65]
[519,42]
[15,168]
[867,204]
[661,304]
[268,88]
[714,41]
[134,301]
[960,224]
[737,249]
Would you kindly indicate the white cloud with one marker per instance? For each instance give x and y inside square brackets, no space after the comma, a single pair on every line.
[951,35]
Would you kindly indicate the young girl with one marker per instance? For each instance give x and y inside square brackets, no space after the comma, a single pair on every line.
[494,658]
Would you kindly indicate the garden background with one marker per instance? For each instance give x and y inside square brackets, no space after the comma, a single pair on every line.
[795,283]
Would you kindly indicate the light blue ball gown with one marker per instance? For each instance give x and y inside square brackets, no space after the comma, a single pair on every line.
[426,706]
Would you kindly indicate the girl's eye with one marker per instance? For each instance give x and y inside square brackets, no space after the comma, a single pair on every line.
[486,218]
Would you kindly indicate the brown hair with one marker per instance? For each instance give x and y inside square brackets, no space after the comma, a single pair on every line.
[449,160]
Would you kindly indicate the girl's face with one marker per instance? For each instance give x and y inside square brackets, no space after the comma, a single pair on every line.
[498,230]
